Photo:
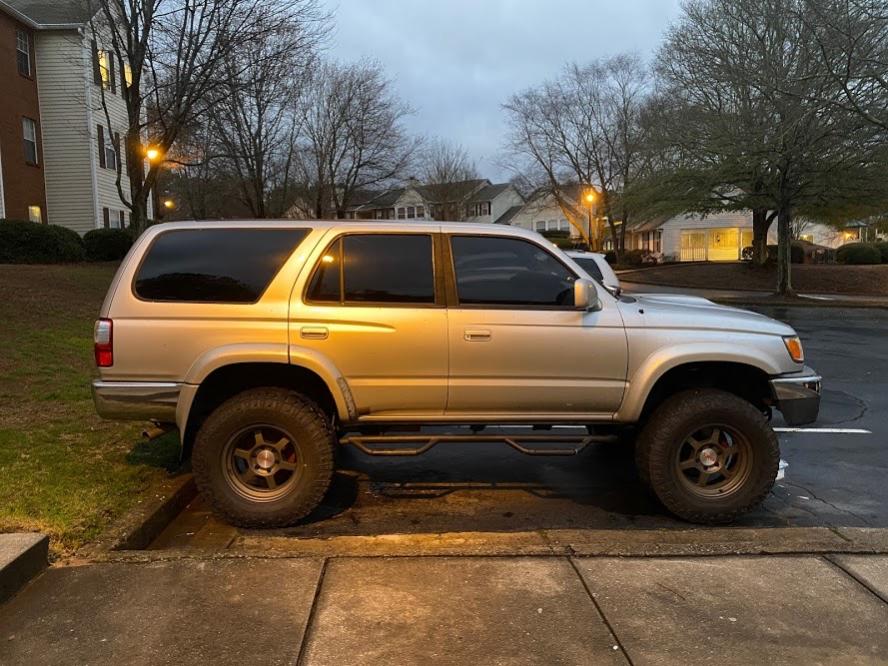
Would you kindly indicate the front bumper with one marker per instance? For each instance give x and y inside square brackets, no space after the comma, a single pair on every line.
[797,396]
[136,401]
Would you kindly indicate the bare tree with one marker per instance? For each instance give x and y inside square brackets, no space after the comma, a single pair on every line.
[352,136]
[171,56]
[584,128]
[450,172]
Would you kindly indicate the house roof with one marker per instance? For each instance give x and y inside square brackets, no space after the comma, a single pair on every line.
[385,200]
[447,192]
[488,193]
[48,13]
[506,218]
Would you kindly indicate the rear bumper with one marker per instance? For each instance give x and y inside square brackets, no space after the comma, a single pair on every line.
[136,401]
[797,396]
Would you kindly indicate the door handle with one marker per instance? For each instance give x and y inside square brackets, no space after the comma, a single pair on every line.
[314,332]
[477,335]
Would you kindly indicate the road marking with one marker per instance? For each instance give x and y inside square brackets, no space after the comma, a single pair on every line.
[828,431]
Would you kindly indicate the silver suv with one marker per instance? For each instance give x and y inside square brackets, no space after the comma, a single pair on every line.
[268,344]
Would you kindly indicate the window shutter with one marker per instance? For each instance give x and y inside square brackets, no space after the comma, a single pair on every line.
[97,71]
[117,149]
[111,73]
[101,146]
[106,218]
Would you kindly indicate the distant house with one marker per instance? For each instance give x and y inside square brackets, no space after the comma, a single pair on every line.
[542,212]
[718,237]
[78,150]
[478,201]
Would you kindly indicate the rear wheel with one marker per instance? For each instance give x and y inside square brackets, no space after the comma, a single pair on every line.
[708,455]
[264,458]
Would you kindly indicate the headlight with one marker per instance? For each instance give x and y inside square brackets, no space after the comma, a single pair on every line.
[794,347]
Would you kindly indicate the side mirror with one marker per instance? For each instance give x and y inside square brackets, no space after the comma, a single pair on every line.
[585,295]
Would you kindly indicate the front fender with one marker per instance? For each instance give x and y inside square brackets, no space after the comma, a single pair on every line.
[655,365]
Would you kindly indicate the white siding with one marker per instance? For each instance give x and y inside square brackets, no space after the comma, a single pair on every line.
[671,241]
[67,147]
[503,202]
[545,210]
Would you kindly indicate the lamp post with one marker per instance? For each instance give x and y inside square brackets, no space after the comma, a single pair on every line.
[589,197]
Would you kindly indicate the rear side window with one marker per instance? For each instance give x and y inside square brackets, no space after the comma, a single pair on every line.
[375,268]
[214,265]
[590,266]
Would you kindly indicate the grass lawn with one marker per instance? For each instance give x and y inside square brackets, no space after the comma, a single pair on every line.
[806,278]
[63,471]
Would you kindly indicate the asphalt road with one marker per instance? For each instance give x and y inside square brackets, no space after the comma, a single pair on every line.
[833,479]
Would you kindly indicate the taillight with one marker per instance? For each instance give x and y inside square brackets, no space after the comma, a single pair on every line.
[104,343]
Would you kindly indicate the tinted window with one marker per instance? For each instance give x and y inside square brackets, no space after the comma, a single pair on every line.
[214,265]
[590,266]
[377,268]
[508,271]
[325,283]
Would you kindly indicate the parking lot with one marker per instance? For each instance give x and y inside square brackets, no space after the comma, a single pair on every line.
[835,477]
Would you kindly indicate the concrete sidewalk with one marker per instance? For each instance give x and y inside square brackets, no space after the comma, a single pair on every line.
[449,610]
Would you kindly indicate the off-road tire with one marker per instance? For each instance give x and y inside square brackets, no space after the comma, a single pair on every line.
[276,407]
[675,420]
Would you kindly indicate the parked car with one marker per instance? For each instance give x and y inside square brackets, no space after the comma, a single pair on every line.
[597,267]
[269,344]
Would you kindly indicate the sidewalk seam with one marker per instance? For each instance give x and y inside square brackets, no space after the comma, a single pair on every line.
[309,623]
[857,579]
[598,608]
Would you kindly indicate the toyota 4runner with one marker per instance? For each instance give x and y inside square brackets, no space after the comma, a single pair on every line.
[269,344]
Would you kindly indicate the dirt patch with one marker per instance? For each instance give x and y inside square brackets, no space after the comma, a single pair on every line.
[811,279]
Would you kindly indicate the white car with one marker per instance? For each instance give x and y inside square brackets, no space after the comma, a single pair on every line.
[597,267]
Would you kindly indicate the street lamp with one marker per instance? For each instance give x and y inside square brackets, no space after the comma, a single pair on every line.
[153,153]
[590,197]
[169,204]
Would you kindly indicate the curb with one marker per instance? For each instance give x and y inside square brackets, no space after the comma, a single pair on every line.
[138,528]
[22,557]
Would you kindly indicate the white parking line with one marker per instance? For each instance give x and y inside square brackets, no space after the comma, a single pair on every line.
[828,431]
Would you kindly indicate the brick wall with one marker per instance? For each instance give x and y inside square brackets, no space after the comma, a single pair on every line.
[23,184]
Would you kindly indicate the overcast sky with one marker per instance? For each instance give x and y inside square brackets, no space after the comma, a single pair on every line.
[457,61]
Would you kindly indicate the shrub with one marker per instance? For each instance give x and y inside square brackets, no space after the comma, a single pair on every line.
[107,244]
[883,250]
[30,243]
[859,253]
[633,257]
[555,233]
[610,257]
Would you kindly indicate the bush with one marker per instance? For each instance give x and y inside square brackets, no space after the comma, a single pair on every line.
[633,257]
[859,254]
[883,250]
[107,244]
[610,257]
[552,234]
[31,243]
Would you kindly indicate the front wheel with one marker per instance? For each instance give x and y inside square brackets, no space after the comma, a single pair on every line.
[709,456]
[264,458]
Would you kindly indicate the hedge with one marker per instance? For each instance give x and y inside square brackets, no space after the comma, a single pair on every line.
[882,246]
[796,253]
[107,244]
[859,253]
[31,243]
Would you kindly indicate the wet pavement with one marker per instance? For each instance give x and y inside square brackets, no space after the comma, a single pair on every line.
[834,480]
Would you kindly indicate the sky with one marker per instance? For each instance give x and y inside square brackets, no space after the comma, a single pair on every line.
[457,61]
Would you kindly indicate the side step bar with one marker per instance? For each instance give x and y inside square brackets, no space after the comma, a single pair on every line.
[372,445]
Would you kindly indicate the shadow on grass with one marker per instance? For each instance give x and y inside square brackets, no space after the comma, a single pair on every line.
[162,452]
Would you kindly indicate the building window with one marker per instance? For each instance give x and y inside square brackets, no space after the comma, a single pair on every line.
[120,222]
[420,212]
[103,69]
[35,214]
[564,225]
[106,218]
[23,52]
[402,214]
[109,148]
[29,131]
[411,213]
[540,225]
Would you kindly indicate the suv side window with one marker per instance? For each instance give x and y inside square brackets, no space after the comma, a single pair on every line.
[590,266]
[502,271]
[214,265]
[375,268]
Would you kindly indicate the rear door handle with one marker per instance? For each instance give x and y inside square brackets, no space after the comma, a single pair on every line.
[476,335]
[315,332]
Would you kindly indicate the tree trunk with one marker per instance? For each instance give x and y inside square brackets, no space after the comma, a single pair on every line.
[784,252]
[760,225]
